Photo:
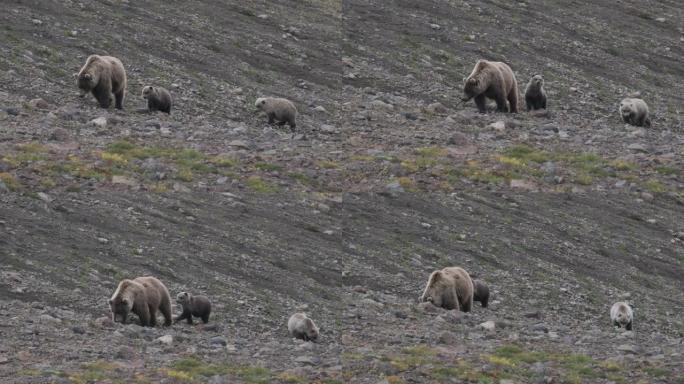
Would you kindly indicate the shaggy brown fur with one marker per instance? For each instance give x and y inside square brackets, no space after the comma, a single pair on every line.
[481,293]
[198,306]
[450,288]
[278,109]
[103,76]
[301,327]
[635,112]
[535,96]
[495,80]
[621,314]
[142,296]
[158,99]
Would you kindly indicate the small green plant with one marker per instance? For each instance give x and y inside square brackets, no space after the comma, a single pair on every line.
[267,167]
[258,184]
[9,180]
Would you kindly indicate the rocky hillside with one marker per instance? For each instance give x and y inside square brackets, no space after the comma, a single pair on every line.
[387,177]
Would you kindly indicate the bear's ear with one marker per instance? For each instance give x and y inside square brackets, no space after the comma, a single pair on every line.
[88,76]
[151,89]
[436,276]
[124,302]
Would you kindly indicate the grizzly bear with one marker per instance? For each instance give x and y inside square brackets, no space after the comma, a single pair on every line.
[450,288]
[198,306]
[103,76]
[142,296]
[535,95]
[621,315]
[495,80]
[635,112]
[302,327]
[158,99]
[278,109]
[481,293]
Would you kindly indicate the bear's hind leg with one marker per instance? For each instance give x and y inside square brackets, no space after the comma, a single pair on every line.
[513,101]
[119,98]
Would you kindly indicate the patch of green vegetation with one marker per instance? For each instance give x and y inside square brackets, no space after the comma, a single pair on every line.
[258,184]
[655,186]
[665,170]
[527,154]
[223,161]
[299,176]
[622,165]
[194,370]
[267,167]
[184,174]
[328,164]
[95,372]
[75,167]
[9,180]
[25,154]
[589,163]
[407,183]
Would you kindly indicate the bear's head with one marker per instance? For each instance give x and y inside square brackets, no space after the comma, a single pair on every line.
[147,91]
[622,315]
[121,303]
[260,103]
[537,81]
[311,329]
[626,109]
[87,81]
[473,86]
[183,298]
[440,291]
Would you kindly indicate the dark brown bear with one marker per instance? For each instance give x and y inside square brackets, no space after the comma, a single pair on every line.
[143,296]
[158,99]
[481,293]
[103,76]
[494,80]
[535,95]
[198,306]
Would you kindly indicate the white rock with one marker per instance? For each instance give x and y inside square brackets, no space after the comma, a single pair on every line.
[47,319]
[166,339]
[239,144]
[118,179]
[45,197]
[379,104]
[488,326]
[498,126]
[328,128]
[99,122]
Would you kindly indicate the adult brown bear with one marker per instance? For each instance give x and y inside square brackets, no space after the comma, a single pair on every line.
[103,76]
[494,80]
[450,288]
[142,296]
